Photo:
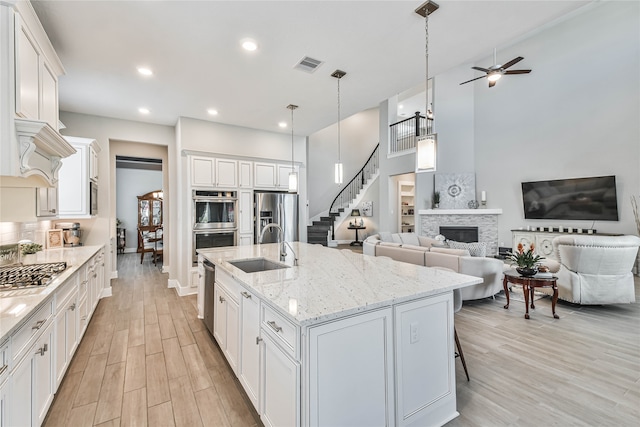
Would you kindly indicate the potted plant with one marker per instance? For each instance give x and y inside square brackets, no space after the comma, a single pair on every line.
[28,251]
[435,200]
[526,261]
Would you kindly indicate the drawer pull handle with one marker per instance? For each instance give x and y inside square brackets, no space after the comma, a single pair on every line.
[245,294]
[221,299]
[258,339]
[275,327]
[38,324]
[42,350]
[72,307]
[83,318]
[4,368]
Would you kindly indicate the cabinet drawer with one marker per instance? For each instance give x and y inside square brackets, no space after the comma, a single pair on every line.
[62,293]
[22,339]
[4,361]
[229,284]
[283,331]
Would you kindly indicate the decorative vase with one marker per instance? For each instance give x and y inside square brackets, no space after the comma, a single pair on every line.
[29,258]
[526,271]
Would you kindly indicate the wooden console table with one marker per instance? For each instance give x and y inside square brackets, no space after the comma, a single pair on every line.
[356,227]
[528,286]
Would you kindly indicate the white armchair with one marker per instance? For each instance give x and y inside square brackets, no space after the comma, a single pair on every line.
[596,269]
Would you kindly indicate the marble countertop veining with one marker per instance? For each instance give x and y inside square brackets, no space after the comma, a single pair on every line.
[15,309]
[330,283]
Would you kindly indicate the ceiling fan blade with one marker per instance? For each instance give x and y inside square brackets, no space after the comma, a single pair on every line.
[484,70]
[517,72]
[492,83]
[469,81]
[512,62]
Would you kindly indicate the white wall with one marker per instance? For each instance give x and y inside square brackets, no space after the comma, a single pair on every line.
[575,115]
[358,138]
[131,183]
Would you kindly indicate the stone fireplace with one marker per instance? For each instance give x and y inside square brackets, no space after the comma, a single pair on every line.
[485,219]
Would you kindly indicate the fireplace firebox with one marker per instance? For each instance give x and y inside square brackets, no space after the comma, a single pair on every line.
[460,234]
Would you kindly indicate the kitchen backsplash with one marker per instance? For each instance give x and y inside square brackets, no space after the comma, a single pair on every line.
[12,232]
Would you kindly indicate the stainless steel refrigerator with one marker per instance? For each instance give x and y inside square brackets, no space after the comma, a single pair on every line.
[279,208]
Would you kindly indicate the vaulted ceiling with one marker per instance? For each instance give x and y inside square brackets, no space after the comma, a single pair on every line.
[194,49]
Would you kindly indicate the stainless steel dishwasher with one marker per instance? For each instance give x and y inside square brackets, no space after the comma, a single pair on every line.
[209,280]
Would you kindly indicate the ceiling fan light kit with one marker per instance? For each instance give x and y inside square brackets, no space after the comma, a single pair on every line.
[496,71]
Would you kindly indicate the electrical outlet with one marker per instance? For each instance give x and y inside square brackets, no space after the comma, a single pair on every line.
[413,330]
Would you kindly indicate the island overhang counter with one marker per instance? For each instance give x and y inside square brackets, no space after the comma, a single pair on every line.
[340,339]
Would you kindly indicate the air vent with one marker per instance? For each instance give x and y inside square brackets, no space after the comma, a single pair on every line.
[308,64]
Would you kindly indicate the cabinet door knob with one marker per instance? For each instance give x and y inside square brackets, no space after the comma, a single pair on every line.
[258,339]
[274,326]
[72,307]
[222,299]
[38,324]
[245,294]
[42,350]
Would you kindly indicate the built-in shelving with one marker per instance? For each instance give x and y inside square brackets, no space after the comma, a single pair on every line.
[406,206]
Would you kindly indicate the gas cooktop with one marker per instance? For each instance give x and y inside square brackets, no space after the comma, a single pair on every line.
[29,276]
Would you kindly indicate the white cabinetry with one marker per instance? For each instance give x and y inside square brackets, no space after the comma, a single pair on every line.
[283,176]
[245,217]
[280,386]
[66,327]
[227,318]
[212,172]
[265,175]
[542,241]
[4,382]
[74,176]
[245,174]
[46,202]
[250,346]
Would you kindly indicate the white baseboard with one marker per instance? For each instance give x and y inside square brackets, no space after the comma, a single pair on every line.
[166,269]
[106,292]
[114,274]
[181,290]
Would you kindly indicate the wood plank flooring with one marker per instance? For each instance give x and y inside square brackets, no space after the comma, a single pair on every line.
[147,360]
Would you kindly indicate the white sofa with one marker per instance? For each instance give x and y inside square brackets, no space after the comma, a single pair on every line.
[596,269]
[420,250]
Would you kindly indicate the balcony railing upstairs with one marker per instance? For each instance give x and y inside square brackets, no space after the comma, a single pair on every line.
[404,134]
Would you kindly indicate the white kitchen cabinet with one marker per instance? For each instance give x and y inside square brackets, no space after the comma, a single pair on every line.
[250,346]
[245,207]
[32,383]
[280,386]
[337,387]
[226,173]
[46,202]
[4,389]
[245,239]
[283,176]
[226,324]
[66,328]
[245,174]
[265,175]
[27,73]
[74,178]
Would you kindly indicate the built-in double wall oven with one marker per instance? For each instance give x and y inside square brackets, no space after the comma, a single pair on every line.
[214,219]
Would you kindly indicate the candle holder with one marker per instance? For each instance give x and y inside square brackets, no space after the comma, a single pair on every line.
[483,203]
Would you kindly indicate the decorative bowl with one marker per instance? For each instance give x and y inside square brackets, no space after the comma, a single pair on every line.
[527,272]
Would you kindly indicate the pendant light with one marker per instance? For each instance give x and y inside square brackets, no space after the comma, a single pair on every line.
[338,74]
[426,145]
[293,176]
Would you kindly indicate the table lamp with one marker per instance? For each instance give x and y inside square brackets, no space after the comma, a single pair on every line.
[355,213]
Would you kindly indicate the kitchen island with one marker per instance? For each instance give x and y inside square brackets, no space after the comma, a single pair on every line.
[340,339]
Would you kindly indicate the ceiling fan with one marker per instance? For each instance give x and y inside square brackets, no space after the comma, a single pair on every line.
[496,71]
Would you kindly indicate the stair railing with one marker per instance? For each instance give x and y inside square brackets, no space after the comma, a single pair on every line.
[353,187]
[403,134]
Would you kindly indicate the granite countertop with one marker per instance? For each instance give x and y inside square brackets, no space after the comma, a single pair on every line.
[330,283]
[15,309]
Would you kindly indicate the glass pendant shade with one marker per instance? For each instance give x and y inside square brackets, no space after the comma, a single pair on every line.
[293,182]
[338,173]
[426,153]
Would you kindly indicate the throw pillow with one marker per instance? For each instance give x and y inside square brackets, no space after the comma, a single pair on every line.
[478,249]
[410,239]
[385,236]
[428,241]
[396,238]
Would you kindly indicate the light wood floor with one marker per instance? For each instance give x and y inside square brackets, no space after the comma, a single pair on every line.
[147,360]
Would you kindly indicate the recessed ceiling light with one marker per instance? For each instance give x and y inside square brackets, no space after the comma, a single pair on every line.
[250,45]
[145,71]
[212,112]
[400,106]
[282,124]
[143,110]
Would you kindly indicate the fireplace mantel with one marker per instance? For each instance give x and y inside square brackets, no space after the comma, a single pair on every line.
[485,219]
[460,212]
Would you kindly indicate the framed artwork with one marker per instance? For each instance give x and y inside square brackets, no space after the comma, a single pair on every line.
[366,208]
[456,189]
[55,239]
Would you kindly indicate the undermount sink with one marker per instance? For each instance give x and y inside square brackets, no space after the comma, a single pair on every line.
[255,265]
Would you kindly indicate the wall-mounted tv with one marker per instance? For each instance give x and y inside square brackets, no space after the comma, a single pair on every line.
[592,199]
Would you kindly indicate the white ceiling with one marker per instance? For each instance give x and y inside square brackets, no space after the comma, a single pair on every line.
[194,50]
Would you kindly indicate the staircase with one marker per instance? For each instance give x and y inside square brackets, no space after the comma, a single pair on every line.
[319,230]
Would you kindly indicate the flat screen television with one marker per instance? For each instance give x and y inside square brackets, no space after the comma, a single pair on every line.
[592,199]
